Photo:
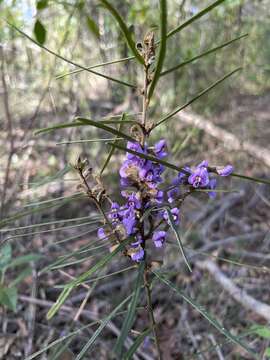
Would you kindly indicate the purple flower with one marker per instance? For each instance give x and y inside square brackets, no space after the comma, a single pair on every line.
[133,201]
[212,186]
[158,170]
[135,147]
[225,170]
[181,177]
[138,242]
[123,169]
[173,194]
[160,149]
[159,196]
[159,238]
[204,164]
[199,178]
[129,221]
[137,255]
[175,215]
[101,234]
[114,214]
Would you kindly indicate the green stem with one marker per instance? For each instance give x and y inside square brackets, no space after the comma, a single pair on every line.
[151,312]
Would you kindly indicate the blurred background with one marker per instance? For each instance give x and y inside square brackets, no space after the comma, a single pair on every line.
[230,124]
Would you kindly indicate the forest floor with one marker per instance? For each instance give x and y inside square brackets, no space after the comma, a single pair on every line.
[227,242]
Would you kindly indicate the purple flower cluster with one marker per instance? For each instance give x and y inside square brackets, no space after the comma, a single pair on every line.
[140,180]
[199,178]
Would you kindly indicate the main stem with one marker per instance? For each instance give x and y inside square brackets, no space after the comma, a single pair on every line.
[145,102]
[146,282]
[151,312]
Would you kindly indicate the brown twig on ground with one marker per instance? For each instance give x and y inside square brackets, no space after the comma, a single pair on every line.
[237,293]
[229,139]
[228,202]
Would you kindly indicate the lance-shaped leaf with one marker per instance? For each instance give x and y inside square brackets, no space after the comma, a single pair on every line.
[173,226]
[82,141]
[102,126]
[152,158]
[250,178]
[162,47]
[103,324]
[174,112]
[69,61]
[86,122]
[123,28]
[60,126]
[129,319]
[70,286]
[195,17]
[206,315]
[132,350]
[95,66]
[21,214]
[205,53]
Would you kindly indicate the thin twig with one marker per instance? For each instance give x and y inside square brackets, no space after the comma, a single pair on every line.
[237,293]
[10,132]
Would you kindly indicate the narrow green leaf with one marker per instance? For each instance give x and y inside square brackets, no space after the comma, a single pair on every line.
[250,178]
[75,195]
[174,112]
[112,149]
[129,319]
[49,223]
[205,53]
[59,175]
[103,324]
[95,66]
[102,126]
[63,258]
[60,126]
[69,287]
[85,122]
[87,141]
[69,61]
[9,297]
[124,29]
[181,247]
[195,17]
[119,121]
[59,302]
[40,32]
[162,47]
[132,350]
[61,352]
[206,315]
[34,210]
[92,26]
[152,158]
